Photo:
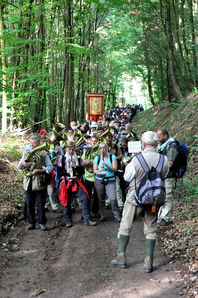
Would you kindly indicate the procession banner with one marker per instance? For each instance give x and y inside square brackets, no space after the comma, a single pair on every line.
[95,106]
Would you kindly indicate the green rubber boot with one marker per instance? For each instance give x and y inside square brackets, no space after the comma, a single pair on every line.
[120,261]
[148,262]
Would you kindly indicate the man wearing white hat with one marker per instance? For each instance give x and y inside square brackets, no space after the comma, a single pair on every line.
[93,128]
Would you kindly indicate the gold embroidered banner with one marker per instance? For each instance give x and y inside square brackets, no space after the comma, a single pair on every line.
[96,105]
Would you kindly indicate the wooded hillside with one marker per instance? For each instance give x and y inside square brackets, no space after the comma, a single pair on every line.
[54,51]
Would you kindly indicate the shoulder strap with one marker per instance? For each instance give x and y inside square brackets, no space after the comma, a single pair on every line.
[160,163]
[98,160]
[143,163]
[115,147]
[146,168]
[173,143]
[63,161]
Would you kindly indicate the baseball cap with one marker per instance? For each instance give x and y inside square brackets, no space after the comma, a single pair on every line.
[43,131]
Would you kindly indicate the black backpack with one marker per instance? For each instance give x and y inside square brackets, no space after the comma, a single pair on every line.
[151,190]
[179,166]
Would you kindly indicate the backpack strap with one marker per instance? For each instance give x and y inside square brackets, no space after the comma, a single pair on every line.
[160,163]
[63,161]
[145,166]
[143,162]
[99,159]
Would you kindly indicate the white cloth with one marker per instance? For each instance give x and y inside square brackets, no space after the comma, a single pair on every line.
[71,159]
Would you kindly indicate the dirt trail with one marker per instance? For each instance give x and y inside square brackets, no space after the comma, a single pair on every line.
[76,262]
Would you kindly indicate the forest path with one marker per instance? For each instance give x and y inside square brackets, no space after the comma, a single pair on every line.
[76,262]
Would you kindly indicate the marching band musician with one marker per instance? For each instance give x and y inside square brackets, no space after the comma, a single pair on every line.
[51,198]
[106,163]
[114,149]
[70,169]
[89,177]
[34,190]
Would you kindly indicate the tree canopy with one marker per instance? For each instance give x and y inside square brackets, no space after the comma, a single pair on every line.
[55,51]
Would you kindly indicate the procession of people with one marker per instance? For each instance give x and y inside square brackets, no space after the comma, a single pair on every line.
[90,165]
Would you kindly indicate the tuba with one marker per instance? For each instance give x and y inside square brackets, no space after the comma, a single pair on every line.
[34,160]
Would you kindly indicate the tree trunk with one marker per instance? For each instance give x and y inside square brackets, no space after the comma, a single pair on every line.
[69,87]
[4,83]
[146,55]
[185,78]
[186,51]
[194,45]
[167,24]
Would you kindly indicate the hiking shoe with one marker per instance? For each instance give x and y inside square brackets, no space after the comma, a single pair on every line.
[163,223]
[117,218]
[96,215]
[43,227]
[120,261]
[57,211]
[69,225]
[120,208]
[30,226]
[148,264]
[102,218]
[90,223]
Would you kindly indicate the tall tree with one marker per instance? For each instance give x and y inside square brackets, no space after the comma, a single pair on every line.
[4,80]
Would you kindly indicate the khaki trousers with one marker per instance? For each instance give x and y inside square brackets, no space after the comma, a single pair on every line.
[165,210]
[131,213]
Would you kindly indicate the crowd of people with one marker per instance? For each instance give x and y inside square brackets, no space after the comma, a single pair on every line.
[93,169]
[125,113]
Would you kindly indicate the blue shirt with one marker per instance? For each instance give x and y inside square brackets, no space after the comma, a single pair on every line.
[107,171]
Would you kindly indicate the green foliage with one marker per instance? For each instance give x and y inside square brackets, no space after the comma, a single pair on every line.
[19,176]
[195,143]
[174,105]
[191,188]
[11,148]
[104,42]
[186,194]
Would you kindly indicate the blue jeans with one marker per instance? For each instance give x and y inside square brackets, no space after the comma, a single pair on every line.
[33,197]
[85,204]
[94,202]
